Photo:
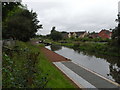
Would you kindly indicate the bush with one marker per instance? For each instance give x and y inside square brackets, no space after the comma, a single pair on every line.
[76,45]
[56,36]
[19,67]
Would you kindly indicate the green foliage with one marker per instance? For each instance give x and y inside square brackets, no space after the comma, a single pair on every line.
[19,67]
[55,35]
[100,48]
[20,24]
[98,45]
[77,44]
[72,38]
[7,7]
[26,66]
[116,36]
[85,39]
[92,39]
[53,29]
[56,78]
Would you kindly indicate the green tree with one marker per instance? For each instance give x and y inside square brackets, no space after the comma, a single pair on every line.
[55,35]
[21,24]
[53,29]
[7,7]
[116,33]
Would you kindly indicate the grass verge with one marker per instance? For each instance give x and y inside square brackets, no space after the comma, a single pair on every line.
[56,78]
[25,66]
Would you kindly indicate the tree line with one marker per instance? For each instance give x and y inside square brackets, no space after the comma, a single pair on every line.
[21,24]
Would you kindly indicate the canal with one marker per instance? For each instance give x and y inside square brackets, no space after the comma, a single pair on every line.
[106,66]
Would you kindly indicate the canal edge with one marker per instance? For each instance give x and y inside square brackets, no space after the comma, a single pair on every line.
[78,85]
[57,64]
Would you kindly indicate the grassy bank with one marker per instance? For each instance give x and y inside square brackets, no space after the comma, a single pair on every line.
[56,79]
[92,47]
[97,48]
[25,66]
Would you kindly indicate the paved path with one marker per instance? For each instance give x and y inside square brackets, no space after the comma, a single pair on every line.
[84,77]
[78,74]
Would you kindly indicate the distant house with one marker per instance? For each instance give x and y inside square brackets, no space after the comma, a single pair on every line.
[104,34]
[81,34]
[93,35]
[72,34]
[77,34]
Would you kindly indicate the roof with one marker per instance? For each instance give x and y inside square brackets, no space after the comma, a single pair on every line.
[105,34]
[105,31]
[80,33]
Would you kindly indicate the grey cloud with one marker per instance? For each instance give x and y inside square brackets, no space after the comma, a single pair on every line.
[73,15]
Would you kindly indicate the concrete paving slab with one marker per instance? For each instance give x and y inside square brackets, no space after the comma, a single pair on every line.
[90,77]
[82,83]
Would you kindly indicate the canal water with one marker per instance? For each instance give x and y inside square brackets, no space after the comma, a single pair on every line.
[106,66]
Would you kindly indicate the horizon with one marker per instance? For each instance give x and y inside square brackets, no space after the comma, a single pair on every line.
[73,15]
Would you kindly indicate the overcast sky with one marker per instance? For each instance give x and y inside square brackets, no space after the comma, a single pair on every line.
[74,15]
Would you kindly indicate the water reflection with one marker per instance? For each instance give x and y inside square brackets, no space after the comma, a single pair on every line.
[114,66]
[55,47]
[115,73]
[105,65]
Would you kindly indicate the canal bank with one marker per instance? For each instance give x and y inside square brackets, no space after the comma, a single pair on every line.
[74,73]
[83,77]
[57,79]
[99,65]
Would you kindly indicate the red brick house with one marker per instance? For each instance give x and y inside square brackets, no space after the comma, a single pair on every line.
[104,34]
[93,35]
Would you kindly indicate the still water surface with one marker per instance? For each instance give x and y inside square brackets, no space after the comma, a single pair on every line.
[108,67]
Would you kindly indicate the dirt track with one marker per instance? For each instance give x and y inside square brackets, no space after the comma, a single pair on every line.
[53,57]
